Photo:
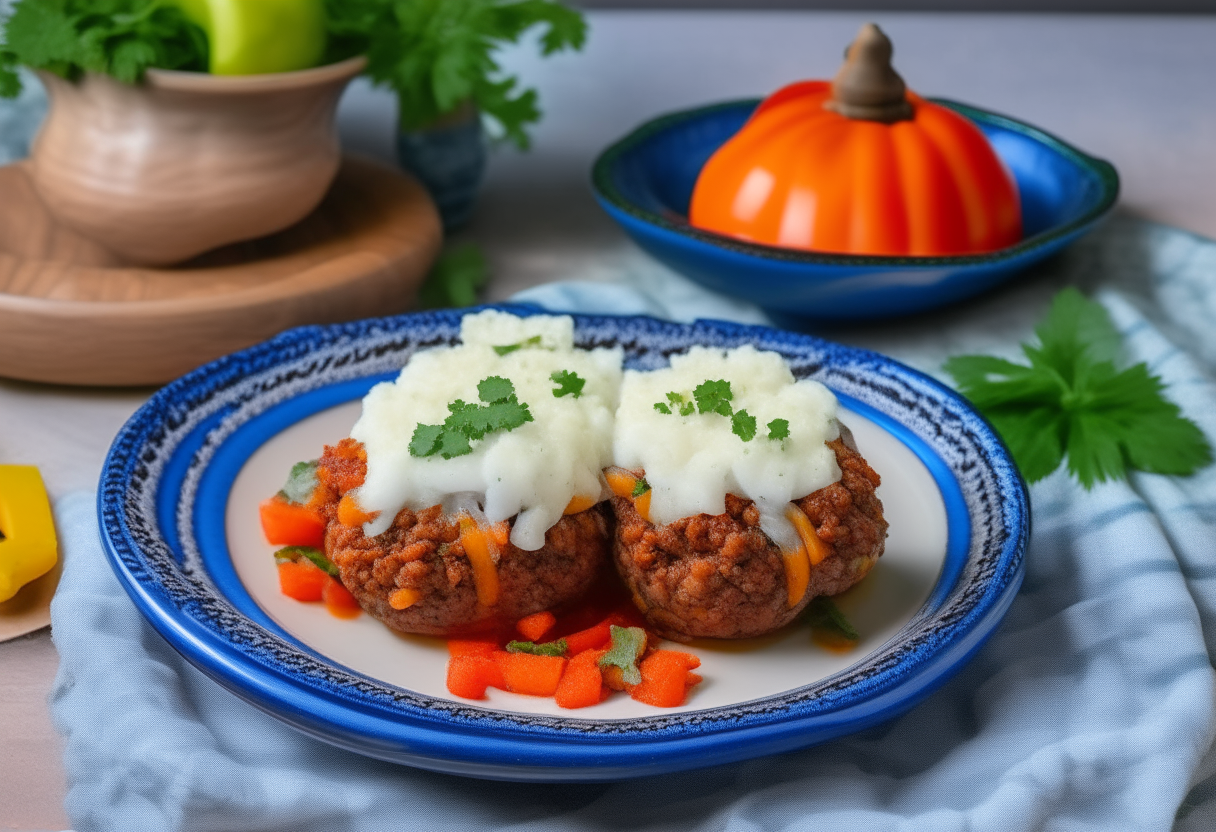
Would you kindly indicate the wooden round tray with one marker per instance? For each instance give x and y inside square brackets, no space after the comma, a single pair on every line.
[71,313]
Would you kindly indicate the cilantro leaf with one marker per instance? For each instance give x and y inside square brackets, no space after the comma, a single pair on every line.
[507,349]
[640,487]
[743,425]
[714,397]
[779,429]
[627,646]
[467,423]
[823,612]
[662,408]
[548,648]
[455,278]
[296,553]
[301,482]
[569,383]
[1072,403]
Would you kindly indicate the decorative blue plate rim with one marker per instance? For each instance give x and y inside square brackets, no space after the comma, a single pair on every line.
[611,197]
[160,470]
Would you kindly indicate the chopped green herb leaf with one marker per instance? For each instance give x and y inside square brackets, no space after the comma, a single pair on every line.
[295,553]
[627,646]
[569,383]
[662,408]
[675,398]
[455,278]
[502,411]
[640,487]
[778,429]
[301,482]
[743,425]
[1072,402]
[548,648]
[714,397]
[823,612]
[687,409]
[507,349]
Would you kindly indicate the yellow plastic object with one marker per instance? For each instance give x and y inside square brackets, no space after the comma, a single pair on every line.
[28,548]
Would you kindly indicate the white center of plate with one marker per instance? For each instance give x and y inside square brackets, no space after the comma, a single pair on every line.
[733,671]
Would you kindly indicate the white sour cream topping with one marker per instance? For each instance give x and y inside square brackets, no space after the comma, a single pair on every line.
[692,462]
[532,471]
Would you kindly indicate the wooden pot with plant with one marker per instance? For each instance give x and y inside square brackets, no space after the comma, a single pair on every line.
[437,56]
[177,127]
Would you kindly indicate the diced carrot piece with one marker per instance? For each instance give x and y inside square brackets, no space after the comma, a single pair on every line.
[578,504]
[291,524]
[642,504]
[665,678]
[591,638]
[339,601]
[582,684]
[533,627]
[621,481]
[469,676]
[403,599]
[302,580]
[473,647]
[476,545]
[533,675]
[350,513]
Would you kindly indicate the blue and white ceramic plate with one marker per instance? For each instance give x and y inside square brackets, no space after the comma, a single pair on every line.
[178,505]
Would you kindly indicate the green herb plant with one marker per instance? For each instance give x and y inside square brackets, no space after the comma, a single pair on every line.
[459,272]
[569,383]
[1071,401]
[438,56]
[120,38]
[548,648]
[294,554]
[301,482]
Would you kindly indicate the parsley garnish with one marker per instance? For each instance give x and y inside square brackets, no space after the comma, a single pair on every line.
[662,408]
[569,383]
[120,38]
[296,553]
[678,402]
[640,487]
[743,425]
[714,397]
[823,612]
[548,648]
[507,349]
[1071,401]
[627,646]
[778,429]
[501,411]
[301,482]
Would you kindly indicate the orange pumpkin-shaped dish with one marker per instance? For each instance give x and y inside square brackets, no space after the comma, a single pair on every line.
[859,166]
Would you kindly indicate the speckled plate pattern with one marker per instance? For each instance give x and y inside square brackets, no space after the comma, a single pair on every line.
[176,498]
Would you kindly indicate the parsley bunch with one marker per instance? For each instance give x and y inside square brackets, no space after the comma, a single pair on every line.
[1072,401]
[438,54]
[500,411]
[120,38]
[716,397]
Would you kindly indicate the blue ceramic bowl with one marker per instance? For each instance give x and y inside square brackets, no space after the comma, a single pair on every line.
[645,182]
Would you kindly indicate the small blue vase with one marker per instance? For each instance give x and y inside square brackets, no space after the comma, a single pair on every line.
[450,160]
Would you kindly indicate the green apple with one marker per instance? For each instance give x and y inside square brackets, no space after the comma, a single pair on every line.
[253,37]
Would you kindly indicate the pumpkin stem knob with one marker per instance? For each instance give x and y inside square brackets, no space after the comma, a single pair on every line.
[866,87]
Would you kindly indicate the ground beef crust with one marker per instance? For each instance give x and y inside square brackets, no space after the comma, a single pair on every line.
[719,576]
[422,551]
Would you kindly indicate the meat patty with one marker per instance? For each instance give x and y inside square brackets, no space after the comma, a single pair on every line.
[720,576]
[421,551]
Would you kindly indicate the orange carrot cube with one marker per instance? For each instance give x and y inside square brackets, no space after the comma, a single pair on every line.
[291,524]
[533,627]
[582,684]
[666,678]
[469,676]
[473,647]
[533,675]
[339,601]
[302,580]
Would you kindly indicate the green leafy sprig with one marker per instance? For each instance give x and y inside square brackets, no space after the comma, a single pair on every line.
[466,423]
[548,648]
[454,280]
[120,38]
[715,397]
[301,482]
[436,55]
[1071,401]
[569,383]
[294,554]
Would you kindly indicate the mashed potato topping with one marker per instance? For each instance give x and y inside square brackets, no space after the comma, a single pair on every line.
[692,461]
[533,470]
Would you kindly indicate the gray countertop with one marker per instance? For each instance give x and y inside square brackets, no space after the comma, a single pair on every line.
[1136,90]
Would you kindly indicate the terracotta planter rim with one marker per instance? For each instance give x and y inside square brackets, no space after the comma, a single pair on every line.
[173,79]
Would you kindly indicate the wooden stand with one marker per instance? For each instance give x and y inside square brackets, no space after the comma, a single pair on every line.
[72,313]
